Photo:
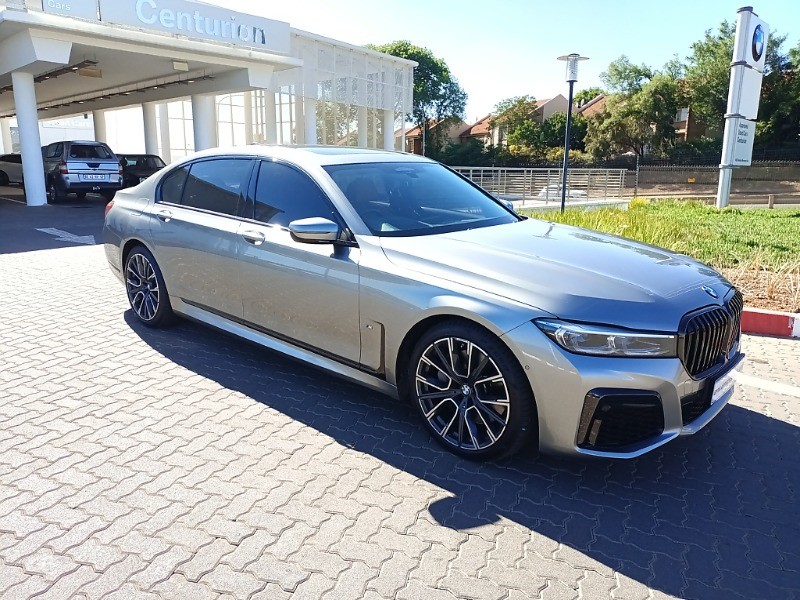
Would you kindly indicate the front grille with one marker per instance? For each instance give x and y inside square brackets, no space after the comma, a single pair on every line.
[615,418]
[707,337]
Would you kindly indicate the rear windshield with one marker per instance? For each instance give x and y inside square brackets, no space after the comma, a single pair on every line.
[88,151]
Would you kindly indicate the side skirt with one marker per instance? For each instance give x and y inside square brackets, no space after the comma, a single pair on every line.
[283,347]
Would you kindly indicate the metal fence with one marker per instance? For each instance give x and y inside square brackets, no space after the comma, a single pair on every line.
[537,186]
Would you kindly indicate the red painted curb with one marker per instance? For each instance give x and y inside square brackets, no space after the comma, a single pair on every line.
[770,322]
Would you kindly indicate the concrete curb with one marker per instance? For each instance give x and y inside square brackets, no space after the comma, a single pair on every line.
[771,322]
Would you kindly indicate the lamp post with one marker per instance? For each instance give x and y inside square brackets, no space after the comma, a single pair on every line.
[572,77]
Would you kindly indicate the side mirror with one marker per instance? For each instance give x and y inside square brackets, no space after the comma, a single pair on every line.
[314,230]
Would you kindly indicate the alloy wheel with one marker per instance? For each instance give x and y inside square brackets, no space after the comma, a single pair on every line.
[142,287]
[462,393]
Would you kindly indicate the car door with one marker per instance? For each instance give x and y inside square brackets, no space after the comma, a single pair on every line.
[303,293]
[195,232]
[51,156]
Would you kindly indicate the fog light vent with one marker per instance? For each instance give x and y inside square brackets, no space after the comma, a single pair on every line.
[615,418]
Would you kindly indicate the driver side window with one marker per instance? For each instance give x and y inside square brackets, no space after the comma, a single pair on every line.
[285,194]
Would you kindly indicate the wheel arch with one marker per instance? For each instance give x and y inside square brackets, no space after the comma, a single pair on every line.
[130,245]
[418,330]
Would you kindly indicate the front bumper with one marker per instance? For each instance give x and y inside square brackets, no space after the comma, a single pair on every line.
[565,385]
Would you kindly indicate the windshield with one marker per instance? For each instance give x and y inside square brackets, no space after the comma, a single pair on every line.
[401,199]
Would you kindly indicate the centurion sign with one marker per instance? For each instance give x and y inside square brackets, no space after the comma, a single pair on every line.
[183,17]
[747,67]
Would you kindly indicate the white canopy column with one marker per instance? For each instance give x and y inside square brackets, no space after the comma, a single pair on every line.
[29,140]
[270,118]
[5,135]
[248,117]
[204,121]
[310,117]
[388,129]
[99,120]
[166,144]
[150,127]
[362,127]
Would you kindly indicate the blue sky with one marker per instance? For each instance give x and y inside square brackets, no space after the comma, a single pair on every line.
[508,48]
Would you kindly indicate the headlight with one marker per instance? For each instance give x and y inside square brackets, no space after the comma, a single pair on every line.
[600,340]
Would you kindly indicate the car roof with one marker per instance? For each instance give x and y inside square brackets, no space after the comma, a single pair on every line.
[317,155]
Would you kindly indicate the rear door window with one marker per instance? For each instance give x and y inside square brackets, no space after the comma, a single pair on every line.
[54,150]
[173,185]
[217,185]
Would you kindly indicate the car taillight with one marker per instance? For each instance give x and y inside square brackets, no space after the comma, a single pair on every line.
[62,168]
[109,206]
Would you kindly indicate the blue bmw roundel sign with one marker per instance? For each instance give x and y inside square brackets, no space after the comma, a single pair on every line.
[758,43]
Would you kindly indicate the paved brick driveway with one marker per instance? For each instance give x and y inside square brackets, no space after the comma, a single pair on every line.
[186,464]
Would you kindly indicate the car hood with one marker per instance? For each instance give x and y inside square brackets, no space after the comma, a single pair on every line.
[566,271]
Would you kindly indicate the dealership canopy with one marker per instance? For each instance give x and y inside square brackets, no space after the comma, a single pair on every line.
[61,58]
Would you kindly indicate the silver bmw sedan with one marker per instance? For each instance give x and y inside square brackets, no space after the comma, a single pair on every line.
[506,333]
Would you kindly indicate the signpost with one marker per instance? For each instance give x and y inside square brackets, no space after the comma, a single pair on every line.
[747,67]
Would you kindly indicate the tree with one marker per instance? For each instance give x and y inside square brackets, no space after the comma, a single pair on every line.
[516,118]
[437,95]
[708,72]
[779,112]
[555,126]
[708,78]
[637,121]
[624,77]
[586,95]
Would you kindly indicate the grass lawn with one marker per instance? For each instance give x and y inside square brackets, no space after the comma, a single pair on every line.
[757,249]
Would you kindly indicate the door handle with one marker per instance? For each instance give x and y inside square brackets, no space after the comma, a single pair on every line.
[254,237]
[164,215]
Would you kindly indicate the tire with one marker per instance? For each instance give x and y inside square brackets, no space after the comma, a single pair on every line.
[53,195]
[3,178]
[109,194]
[147,292]
[80,195]
[471,392]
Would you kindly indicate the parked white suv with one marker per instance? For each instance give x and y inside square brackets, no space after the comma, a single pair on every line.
[10,169]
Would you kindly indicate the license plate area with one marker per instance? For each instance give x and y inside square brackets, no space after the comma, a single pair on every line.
[93,177]
[722,386]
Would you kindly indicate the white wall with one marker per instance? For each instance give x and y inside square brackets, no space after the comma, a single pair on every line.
[125,130]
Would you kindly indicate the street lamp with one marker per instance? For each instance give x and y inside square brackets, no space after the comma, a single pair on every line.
[572,77]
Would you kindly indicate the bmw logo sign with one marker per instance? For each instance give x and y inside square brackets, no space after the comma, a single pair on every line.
[758,43]
[710,292]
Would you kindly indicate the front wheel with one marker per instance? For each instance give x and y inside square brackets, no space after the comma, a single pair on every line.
[471,392]
[146,290]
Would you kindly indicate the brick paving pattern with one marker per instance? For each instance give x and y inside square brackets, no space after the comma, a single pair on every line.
[187,464]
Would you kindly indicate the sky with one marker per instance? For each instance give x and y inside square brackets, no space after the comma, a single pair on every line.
[506,48]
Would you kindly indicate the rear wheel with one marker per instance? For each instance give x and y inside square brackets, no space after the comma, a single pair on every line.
[3,178]
[146,290]
[53,194]
[471,392]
